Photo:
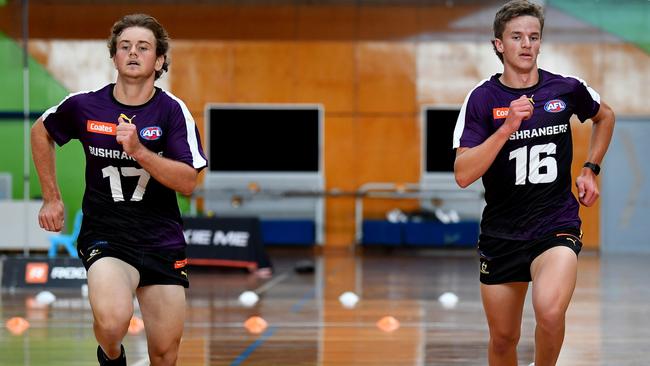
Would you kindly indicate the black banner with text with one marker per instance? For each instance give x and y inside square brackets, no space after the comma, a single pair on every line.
[233,242]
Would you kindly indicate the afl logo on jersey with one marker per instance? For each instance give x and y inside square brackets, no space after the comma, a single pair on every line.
[151,133]
[554,106]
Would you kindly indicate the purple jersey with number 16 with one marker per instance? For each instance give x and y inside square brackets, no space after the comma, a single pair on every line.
[528,186]
[122,203]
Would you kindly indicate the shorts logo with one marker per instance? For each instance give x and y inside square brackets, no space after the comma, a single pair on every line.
[151,133]
[500,113]
[184,273]
[180,264]
[36,272]
[572,238]
[484,268]
[554,106]
[93,253]
[104,128]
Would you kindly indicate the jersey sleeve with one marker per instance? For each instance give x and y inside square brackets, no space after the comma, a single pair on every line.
[183,142]
[59,121]
[471,129]
[587,100]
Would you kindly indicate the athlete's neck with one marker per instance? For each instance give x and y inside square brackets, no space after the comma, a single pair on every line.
[129,93]
[519,79]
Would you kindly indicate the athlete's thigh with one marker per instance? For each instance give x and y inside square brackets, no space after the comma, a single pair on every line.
[503,304]
[163,313]
[111,285]
[554,275]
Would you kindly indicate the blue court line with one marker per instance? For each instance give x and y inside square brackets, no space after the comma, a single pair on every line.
[297,307]
[306,298]
[247,352]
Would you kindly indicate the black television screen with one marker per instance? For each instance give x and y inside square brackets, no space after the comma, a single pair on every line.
[439,154]
[263,139]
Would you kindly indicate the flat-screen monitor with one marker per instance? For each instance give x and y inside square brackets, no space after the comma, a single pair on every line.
[439,124]
[264,138]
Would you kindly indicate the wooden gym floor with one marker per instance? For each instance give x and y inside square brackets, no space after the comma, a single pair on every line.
[608,322]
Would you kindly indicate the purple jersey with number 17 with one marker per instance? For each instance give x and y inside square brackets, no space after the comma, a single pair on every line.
[122,202]
[528,186]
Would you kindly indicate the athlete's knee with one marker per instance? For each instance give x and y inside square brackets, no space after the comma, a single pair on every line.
[551,318]
[164,354]
[111,326]
[111,329]
[163,357]
[504,341]
[167,359]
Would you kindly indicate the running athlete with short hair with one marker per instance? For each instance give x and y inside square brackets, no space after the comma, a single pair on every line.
[142,146]
[514,133]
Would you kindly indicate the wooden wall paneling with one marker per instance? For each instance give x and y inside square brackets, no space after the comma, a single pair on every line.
[327,22]
[626,79]
[580,60]
[265,72]
[339,222]
[200,20]
[441,18]
[189,21]
[341,167]
[202,72]
[387,77]
[389,22]
[619,72]
[389,151]
[272,21]
[446,72]
[325,75]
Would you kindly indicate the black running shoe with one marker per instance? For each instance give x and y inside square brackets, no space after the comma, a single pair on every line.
[105,361]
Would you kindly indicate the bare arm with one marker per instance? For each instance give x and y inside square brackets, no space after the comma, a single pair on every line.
[50,217]
[472,163]
[171,173]
[601,135]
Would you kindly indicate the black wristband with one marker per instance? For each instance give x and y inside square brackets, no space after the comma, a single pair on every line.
[593,166]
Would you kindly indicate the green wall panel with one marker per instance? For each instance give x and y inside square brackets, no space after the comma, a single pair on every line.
[45,92]
[628,19]
[70,167]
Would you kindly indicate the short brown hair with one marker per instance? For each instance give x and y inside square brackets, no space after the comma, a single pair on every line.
[144,21]
[511,10]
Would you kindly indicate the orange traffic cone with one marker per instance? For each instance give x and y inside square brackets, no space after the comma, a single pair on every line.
[255,324]
[388,324]
[17,325]
[136,325]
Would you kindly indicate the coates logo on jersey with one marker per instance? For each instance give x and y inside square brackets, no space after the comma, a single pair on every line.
[554,106]
[105,128]
[499,113]
[151,133]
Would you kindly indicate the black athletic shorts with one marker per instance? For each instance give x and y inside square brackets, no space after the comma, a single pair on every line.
[159,267]
[503,260]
